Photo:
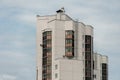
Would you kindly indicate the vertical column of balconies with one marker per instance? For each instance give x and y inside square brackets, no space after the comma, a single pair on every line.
[69,43]
[88,49]
[104,71]
[47,56]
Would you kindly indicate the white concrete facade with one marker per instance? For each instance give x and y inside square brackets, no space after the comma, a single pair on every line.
[64,68]
[98,61]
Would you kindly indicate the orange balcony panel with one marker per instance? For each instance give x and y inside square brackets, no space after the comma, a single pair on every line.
[69,54]
[48,79]
[68,45]
[49,59]
[69,36]
[49,63]
[48,45]
[49,54]
[48,71]
[49,37]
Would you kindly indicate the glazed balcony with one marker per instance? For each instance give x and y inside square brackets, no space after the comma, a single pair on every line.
[69,36]
[49,37]
[49,45]
[48,79]
[49,54]
[68,45]
[69,54]
[88,42]
[87,49]
[48,72]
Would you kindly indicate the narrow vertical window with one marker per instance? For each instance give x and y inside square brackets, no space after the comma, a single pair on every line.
[47,56]
[88,61]
[69,43]
[56,75]
[56,66]
[104,71]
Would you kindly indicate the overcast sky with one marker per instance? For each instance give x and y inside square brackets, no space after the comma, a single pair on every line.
[18,32]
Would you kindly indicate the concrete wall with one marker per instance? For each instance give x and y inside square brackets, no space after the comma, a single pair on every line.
[68,70]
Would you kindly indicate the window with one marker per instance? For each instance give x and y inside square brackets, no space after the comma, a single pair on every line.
[49,67]
[88,78]
[56,66]
[69,32]
[83,54]
[68,49]
[69,43]
[88,46]
[104,66]
[56,75]
[104,71]
[46,56]
[88,61]
[48,41]
[83,37]
[83,45]
[94,76]
[49,33]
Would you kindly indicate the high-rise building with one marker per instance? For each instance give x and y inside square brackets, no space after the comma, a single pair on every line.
[65,50]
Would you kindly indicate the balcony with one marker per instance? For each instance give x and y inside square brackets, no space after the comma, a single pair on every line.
[88,42]
[49,45]
[87,49]
[88,74]
[49,54]
[48,79]
[69,54]
[69,36]
[67,45]
[49,62]
[87,57]
[48,71]
[49,37]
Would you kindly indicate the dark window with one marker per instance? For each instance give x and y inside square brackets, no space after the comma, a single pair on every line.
[93,64]
[104,71]
[88,61]
[88,78]
[47,52]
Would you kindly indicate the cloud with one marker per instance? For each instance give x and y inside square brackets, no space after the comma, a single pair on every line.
[27,18]
[7,77]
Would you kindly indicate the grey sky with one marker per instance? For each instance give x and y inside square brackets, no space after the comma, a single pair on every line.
[18,32]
